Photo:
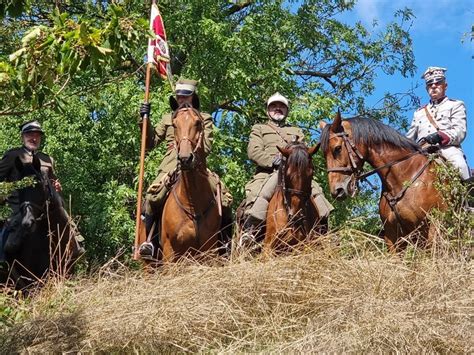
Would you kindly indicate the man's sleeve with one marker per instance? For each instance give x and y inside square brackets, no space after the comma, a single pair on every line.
[256,149]
[457,132]
[155,135]
[208,132]
[5,166]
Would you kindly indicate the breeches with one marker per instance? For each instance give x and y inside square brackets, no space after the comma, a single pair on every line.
[455,156]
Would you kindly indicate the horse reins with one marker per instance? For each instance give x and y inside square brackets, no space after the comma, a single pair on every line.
[289,191]
[356,172]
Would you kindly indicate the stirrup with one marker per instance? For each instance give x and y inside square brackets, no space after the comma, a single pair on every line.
[146,250]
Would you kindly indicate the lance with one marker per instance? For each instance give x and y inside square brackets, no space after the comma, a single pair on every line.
[140,233]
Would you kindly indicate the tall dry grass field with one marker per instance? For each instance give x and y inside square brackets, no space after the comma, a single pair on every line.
[333,297]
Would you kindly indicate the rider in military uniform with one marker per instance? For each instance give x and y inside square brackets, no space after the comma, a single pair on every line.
[167,171]
[262,150]
[31,135]
[442,121]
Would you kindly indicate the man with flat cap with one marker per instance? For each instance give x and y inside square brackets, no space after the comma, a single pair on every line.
[185,93]
[442,121]
[31,136]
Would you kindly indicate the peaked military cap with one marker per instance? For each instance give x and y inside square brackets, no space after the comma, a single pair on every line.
[185,87]
[434,75]
[31,126]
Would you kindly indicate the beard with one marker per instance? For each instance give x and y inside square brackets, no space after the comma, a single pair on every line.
[277,116]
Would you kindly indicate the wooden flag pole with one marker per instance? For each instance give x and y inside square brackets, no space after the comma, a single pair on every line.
[140,233]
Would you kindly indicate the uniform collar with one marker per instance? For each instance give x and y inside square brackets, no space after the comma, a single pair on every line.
[281,123]
[29,152]
[437,102]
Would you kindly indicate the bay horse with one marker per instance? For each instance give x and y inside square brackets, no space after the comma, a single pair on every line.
[406,171]
[291,214]
[191,218]
[42,227]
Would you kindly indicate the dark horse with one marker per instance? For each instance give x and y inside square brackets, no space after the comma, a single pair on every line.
[192,213]
[291,215]
[42,227]
[407,174]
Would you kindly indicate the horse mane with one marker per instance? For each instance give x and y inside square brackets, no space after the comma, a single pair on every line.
[370,132]
[298,156]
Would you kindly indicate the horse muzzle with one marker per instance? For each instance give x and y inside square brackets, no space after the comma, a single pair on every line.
[186,162]
[346,188]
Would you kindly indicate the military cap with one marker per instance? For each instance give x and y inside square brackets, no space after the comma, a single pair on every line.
[434,75]
[31,126]
[185,87]
[277,97]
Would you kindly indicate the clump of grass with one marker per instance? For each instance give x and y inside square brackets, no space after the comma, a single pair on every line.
[330,296]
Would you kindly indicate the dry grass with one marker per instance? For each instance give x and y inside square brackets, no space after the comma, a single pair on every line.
[321,299]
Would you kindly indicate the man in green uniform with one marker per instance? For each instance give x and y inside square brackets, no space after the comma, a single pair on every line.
[262,150]
[158,191]
[31,135]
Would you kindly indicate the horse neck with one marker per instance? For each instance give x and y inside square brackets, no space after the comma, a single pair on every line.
[193,187]
[395,176]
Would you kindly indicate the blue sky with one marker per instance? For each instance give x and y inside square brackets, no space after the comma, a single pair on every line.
[437,34]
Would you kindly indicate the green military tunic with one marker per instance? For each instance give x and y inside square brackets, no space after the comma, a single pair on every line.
[262,149]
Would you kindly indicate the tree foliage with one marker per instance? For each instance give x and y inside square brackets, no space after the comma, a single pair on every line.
[77,66]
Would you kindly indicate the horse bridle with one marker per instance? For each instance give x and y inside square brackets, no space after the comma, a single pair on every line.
[357,176]
[289,191]
[185,138]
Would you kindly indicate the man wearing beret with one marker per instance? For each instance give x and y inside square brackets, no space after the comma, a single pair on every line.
[442,121]
[31,136]
[262,150]
[185,93]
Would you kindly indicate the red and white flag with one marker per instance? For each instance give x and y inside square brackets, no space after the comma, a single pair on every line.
[158,51]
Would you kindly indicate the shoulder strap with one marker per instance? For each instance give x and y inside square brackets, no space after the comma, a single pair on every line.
[430,118]
[277,130]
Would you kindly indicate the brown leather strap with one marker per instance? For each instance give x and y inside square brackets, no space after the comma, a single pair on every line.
[430,118]
[276,129]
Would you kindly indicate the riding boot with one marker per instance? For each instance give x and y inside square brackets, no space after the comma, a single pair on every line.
[250,231]
[147,249]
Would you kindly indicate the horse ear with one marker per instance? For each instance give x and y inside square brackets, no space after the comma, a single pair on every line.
[285,152]
[313,150]
[173,103]
[336,125]
[322,124]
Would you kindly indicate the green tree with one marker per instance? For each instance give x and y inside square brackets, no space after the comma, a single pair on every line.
[77,66]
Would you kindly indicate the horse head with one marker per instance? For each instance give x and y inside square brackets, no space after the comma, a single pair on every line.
[33,198]
[344,161]
[295,175]
[188,133]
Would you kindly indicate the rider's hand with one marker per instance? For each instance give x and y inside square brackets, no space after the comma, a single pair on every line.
[57,185]
[276,161]
[433,138]
[145,109]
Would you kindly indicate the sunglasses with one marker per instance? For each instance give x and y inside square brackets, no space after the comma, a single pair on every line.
[437,81]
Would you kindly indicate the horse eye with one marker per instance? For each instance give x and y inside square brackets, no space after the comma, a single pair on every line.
[337,150]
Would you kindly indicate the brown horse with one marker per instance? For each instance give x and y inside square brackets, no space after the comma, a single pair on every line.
[191,215]
[407,174]
[291,214]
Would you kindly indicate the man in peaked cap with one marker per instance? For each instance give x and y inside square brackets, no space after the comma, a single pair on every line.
[31,136]
[185,93]
[262,150]
[442,121]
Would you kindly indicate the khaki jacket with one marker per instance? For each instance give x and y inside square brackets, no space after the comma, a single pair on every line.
[263,142]
[164,131]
